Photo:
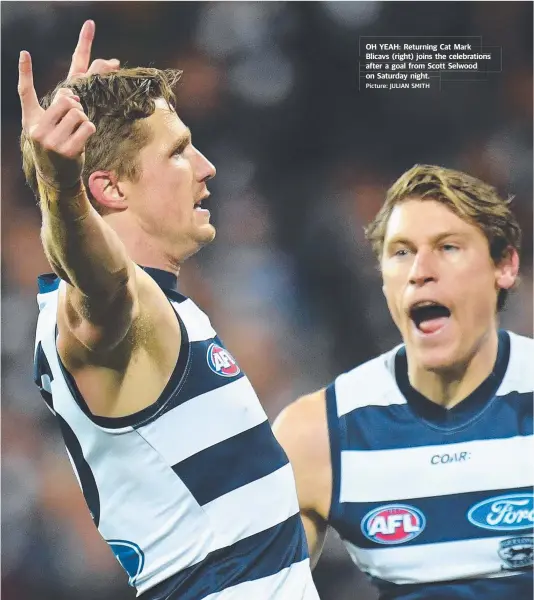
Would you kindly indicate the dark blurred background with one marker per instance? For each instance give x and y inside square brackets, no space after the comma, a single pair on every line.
[270,91]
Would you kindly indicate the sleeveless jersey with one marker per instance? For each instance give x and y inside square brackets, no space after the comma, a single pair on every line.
[193,494]
[430,502]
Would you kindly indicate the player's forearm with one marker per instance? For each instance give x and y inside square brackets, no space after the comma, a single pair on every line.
[81,247]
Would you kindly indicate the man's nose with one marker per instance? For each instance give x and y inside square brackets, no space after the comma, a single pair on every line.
[203,167]
[423,268]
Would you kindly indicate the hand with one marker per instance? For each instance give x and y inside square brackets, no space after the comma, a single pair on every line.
[80,59]
[58,134]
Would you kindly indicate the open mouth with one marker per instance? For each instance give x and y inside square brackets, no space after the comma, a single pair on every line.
[200,204]
[429,317]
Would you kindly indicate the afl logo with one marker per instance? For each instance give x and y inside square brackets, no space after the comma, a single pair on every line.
[393,524]
[220,361]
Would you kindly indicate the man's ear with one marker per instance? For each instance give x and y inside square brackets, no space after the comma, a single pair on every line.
[107,190]
[507,269]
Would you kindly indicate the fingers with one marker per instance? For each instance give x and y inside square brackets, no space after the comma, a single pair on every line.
[29,102]
[82,52]
[57,128]
[66,128]
[67,92]
[63,101]
[101,66]
[66,138]
[75,144]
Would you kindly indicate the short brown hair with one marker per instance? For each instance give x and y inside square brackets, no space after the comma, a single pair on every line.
[116,103]
[469,198]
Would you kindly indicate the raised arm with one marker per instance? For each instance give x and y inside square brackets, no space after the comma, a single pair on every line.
[302,430]
[101,300]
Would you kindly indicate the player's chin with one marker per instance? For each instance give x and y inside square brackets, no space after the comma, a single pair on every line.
[205,233]
[197,240]
[437,359]
[440,357]
[435,353]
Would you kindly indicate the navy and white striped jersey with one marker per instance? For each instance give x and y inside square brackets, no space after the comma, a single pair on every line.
[193,494]
[436,503]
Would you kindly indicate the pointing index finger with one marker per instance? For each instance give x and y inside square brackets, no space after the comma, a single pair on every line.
[82,52]
[28,97]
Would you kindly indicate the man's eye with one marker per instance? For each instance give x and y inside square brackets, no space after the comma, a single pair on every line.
[181,148]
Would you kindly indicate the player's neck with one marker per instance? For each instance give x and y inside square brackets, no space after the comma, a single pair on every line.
[142,248]
[449,388]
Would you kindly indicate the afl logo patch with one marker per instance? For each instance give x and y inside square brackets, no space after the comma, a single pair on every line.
[393,524]
[220,361]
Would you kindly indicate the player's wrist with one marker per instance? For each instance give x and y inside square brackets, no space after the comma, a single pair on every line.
[63,187]
[66,203]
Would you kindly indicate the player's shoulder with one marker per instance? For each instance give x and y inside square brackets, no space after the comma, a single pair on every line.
[519,376]
[303,413]
[375,368]
[302,425]
[372,382]
[196,322]
[521,342]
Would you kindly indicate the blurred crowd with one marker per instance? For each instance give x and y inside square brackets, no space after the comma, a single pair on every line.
[270,91]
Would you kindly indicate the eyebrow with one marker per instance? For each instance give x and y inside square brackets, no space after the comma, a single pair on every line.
[435,239]
[183,141]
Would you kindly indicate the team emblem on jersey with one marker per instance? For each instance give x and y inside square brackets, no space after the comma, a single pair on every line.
[517,552]
[504,513]
[130,557]
[220,361]
[393,524]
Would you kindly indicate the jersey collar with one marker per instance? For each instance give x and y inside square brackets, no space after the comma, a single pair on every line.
[165,280]
[465,410]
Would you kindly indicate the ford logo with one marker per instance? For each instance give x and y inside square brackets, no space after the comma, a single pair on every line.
[504,513]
